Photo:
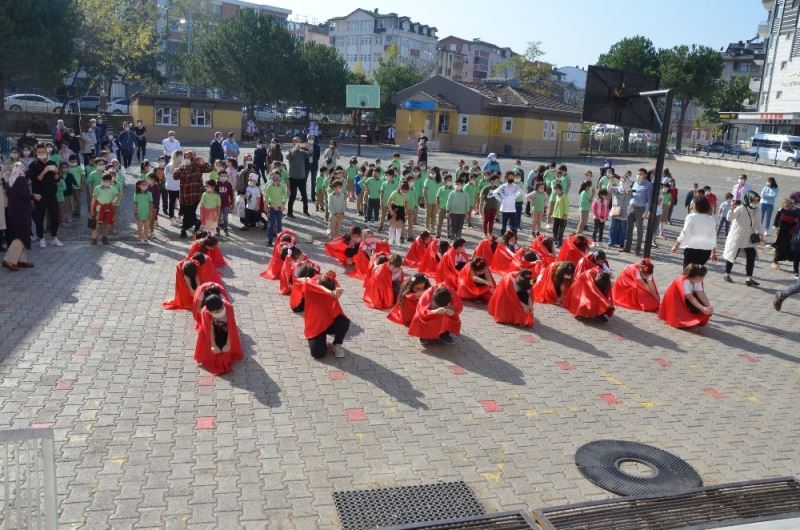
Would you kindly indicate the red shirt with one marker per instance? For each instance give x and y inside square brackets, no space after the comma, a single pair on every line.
[225,190]
[712,200]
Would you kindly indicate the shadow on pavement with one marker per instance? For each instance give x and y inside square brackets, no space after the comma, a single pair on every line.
[470,355]
[570,341]
[250,376]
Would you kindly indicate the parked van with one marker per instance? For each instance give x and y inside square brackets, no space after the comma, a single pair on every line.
[772,147]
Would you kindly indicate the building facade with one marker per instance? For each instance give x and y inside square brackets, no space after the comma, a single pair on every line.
[363,37]
[306,32]
[192,119]
[745,58]
[480,59]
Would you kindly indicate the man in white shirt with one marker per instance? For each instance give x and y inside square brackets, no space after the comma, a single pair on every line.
[170,145]
[507,194]
[172,186]
[230,147]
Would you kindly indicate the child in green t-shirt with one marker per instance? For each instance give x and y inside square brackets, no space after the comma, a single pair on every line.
[101,208]
[320,189]
[560,206]
[538,199]
[359,187]
[387,188]
[61,187]
[412,208]
[351,172]
[372,189]
[395,163]
[471,189]
[210,204]
[144,170]
[142,210]
[584,205]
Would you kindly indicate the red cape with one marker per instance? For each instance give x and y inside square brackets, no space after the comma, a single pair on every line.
[183,295]
[378,293]
[415,253]
[217,363]
[519,263]
[198,296]
[296,293]
[629,292]
[335,249]
[484,249]
[584,299]
[429,325]
[362,262]
[468,289]
[502,260]
[569,252]
[505,306]
[273,270]
[214,253]
[429,263]
[446,271]
[321,309]
[287,274]
[544,291]
[673,308]
[404,310]
[545,256]
[585,264]
[207,272]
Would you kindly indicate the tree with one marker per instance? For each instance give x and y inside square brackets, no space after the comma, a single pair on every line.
[324,77]
[37,37]
[533,74]
[692,72]
[251,54]
[631,54]
[728,96]
[393,76]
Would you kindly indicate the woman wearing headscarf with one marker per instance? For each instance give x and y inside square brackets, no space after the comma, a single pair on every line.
[19,213]
[491,164]
[744,235]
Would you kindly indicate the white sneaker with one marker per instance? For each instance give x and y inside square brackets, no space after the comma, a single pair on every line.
[56,242]
[43,243]
[338,352]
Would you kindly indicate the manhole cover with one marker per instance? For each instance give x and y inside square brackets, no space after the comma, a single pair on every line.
[630,468]
[367,509]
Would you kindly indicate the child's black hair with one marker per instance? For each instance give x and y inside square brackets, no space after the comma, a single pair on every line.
[199,257]
[603,281]
[190,269]
[396,260]
[328,282]
[459,242]
[443,247]
[442,297]
[523,283]
[383,258]
[307,270]
[213,303]
[295,252]
[530,256]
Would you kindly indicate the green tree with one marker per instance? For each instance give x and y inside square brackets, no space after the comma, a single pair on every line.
[38,38]
[393,76]
[728,96]
[631,54]
[324,77]
[692,72]
[533,74]
[250,54]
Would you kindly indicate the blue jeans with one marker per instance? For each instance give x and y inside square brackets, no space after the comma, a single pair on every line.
[616,232]
[223,217]
[766,215]
[518,206]
[274,224]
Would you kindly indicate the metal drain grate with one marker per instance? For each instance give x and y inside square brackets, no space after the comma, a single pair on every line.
[369,509]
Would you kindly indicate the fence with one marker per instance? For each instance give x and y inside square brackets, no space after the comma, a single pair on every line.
[28,479]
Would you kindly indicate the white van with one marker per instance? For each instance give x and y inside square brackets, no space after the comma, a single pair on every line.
[771,147]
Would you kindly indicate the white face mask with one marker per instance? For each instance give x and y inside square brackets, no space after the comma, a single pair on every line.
[14,156]
[42,157]
[171,136]
[26,153]
[101,167]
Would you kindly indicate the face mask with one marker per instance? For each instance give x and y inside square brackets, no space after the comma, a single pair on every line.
[171,136]
[259,146]
[101,167]
[14,156]
[741,182]
[42,157]
[106,184]
[218,314]
[110,136]
[29,134]
[223,179]
[26,153]
[127,129]
[49,150]
[177,161]
[459,187]
[73,164]
[161,164]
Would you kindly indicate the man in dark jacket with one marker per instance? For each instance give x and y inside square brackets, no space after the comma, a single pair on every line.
[260,161]
[217,153]
[127,145]
[298,173]
[312,163]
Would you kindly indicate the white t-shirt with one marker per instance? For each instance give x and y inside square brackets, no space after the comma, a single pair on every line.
[253,193]
[170,146]
[170,183]
[689,287]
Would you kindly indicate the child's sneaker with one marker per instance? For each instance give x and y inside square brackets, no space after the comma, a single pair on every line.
[43,243]
[56,242]
[338,351]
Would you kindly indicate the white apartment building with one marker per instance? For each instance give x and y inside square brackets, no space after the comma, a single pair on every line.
[362,37]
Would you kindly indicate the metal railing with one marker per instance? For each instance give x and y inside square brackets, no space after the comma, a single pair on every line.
[28,479]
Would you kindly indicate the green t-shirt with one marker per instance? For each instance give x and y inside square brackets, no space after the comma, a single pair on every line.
[94,179]
[373,186]
[120,181]
[398,199]
[396,164]
[105,195]
[457,202]
[322,181]
[585,201]
[143,203]
[561,206]
[413,198]
[603,183]
[77,173]
[61,187]
[387,188]
[214,175]
[549,177]
[553,191]
[55,157]
[284,175]
[419,183]
[275,196]
[443,195]
[431,188]
[539,201]
[566,182]
[351,172]
[472,191]
[666,199]
[210,200]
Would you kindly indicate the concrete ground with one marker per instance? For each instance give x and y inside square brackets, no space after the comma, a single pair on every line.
[147,439]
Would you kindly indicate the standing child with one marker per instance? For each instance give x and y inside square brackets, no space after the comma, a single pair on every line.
[64,192]
[724,208]
[560,206]
[351,172]
[102,208]
[441,206]
[320,191]
[600,209]
[359,178]
[457,207]
[336,208]
[412,207]
[142,209]
[275,197]
[154,187]
[372,185]
[144,170]
[538,199]
[210,204]
[77,173]
[584,205]
[430,189]
[252,211]
[666,202]
[387,189]
[471,189]
[225,190]
[397,202]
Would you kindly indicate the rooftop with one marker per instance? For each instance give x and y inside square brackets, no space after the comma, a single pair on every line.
[503,95]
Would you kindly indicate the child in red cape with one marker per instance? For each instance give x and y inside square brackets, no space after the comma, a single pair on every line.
[543,246]
[553,283]
[206,272]
[417,249]
[596,261]
[208,245]
[200,294]
[451,263]
[528,260]
[370,244]
[589,296]
[383,283]
[486,248]
[186,283]
[218,345]
[685,304]
[410,292]
[324,316]
[437,315]
[573,249]
[294,257]
[475,281]
[636,289]
[279,251]
[512,301]
[344,247]
[433,254]
[502,260]
[303,272]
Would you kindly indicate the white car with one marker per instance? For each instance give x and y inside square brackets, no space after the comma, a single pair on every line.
[31,103]
[296,112]
[120,106]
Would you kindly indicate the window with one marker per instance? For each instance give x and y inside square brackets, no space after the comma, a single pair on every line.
[444,123]
[463,123]
[778,94]
[166,115]
[783,64]
[507,125]
[549,131]
[201,118]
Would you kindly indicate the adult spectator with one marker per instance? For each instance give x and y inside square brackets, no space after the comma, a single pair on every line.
[274,153]
[313,161]
[100,131]
[787,221]
[44,176]
[128,143]
[243,176]
[230,147]
[698,239]
[741,188]
[260,161]
[72,141]
[641,192]
[141,140]
[170,144]
[216,150]
[88,141]
[58,133]
[422,152]
[744,235]
[331,155]
[102,102]
[19,210]
[313,129]
[391,134]
[777,302]
[172,186]
[491,164]
[250,130]
[27,140]
[190,176]
[423,136]
[768,196]
[620,198]
[297,174]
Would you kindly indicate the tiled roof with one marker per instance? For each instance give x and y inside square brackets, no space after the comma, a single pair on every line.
[506,96]
[440,100]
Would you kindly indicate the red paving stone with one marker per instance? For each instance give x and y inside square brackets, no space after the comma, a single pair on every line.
[337,375]
[205,422]
[65,384]
[565,365]
[663,363]
[531,339]
[716,394]
[355,415]
[205,380]
[82,352]
[611,399]
[457,370]
[45,425]
[490,405]
[751,359]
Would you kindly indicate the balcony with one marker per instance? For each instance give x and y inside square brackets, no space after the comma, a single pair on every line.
[763,29]
[769,5]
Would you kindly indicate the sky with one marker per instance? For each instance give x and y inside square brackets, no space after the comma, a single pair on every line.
[572,32]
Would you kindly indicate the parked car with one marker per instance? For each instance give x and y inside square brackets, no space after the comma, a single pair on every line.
[776,147]
[88,104]
[726,148]
[297,112]
[120,106]
[31,103]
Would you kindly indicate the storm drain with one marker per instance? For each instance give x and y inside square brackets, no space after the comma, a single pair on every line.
[369,509]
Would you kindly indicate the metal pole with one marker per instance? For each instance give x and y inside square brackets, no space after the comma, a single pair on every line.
[189,45]
[662,151]
[358,130]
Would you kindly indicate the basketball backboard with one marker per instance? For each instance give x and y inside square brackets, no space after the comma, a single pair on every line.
[363,97]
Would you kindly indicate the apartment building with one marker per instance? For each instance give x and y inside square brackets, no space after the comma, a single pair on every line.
[307,32]
[479,59]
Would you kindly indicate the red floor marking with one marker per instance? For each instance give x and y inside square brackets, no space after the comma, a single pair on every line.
[82,352]
[96,325]
[65,384]
[45,425]
[457,370]
[565,365]
[618,337]
[531,339]
[611,399]
[205,380]
[205,422]
[663,363]
[337,375]
[491,406]
[355,415]
[716,394]
[749,358]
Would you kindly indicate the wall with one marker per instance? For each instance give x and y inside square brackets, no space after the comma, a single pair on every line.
[222,120]
[785,80]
